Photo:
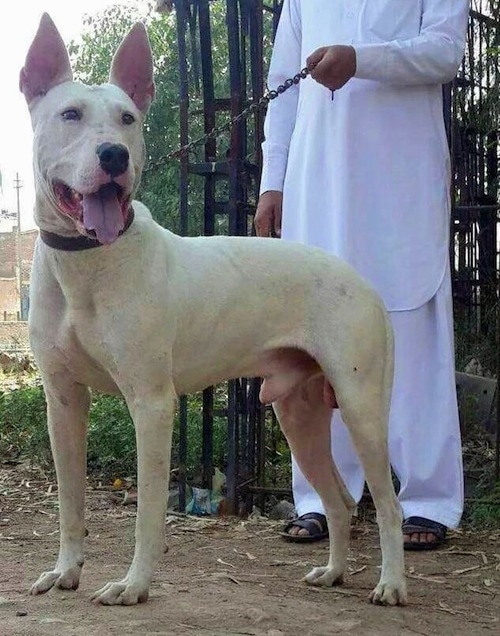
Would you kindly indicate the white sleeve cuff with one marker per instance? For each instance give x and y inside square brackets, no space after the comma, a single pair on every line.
[370,59]
[273,169]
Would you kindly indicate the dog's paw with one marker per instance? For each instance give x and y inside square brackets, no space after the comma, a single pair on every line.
[325,576]
[67,580]
[121,593]
[389,593]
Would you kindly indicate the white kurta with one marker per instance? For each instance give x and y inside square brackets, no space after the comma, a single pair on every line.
[366,177]
[371,212]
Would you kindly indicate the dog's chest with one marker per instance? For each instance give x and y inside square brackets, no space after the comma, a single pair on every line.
[68,332]
[79,348]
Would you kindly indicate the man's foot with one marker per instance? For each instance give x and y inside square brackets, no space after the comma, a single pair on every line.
[306,528]
[423,534]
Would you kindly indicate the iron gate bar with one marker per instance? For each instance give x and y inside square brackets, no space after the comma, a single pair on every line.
[237,172]
[181,22]
[183,114]
[207,80]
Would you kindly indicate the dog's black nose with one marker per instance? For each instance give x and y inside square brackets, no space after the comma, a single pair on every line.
[113,158]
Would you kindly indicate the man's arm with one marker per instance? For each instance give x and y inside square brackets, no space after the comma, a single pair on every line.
[433,57]
[280,120]
[281,112]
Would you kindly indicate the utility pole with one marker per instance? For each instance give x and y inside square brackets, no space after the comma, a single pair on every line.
[17,186]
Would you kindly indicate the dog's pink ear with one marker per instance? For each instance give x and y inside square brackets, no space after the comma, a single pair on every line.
[132,67]
[47,63]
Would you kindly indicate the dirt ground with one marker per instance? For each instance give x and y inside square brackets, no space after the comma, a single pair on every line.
[228,576]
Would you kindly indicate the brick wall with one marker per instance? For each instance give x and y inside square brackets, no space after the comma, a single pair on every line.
[7,255]
[8,252]
[9,299]
[9,292]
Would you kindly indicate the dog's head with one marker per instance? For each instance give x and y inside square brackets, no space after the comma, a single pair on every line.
[88,143]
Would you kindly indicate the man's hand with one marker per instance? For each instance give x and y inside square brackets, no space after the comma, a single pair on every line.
[268,216]
[333,66]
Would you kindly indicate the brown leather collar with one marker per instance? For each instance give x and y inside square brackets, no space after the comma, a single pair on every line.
[78,243]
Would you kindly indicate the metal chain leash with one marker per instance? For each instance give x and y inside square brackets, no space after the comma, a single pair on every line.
[218,130]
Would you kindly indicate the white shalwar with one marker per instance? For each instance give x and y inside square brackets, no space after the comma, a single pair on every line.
[366,176]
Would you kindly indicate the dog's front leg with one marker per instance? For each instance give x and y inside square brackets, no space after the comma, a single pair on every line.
[153,419]
[67,414]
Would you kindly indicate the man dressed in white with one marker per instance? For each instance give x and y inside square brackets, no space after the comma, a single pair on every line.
[357,159]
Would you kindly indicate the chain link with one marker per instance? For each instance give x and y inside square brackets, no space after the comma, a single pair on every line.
[218,130]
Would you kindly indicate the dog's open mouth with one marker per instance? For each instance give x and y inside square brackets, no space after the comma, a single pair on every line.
[101,214]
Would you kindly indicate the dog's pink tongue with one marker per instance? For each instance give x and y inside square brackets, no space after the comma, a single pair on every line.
[103,214]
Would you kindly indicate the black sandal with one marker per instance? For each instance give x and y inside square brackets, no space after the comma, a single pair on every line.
[314,522]
[420,525]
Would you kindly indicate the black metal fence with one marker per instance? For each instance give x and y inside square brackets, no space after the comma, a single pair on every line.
[226,178]
[472,118]
[228,174]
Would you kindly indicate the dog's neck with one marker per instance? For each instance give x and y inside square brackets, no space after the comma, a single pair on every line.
[78,243]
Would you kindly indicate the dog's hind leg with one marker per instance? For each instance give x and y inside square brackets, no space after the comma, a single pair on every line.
[67,414]
[364,407]
[153,414]
[305,419]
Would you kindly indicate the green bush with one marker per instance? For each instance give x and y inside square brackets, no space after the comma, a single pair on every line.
[111,438]
[483,512]
[111,435]
[23,425]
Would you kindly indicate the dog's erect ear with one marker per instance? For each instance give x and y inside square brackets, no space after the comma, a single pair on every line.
[132,67]
[47,63]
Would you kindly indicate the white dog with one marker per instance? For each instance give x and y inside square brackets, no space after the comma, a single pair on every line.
[124,306]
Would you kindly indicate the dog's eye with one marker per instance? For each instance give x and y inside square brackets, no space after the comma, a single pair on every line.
[71,114]
[127,119]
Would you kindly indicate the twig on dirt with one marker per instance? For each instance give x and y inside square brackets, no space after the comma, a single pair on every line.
[46,534]
[225,563]
[178,515]
[363,567]
[41,500]
[202,628]
[333,590]
[446,608]
[249,556]
[474,568]
[301,564]
[242,578]
[479,590]
[465,570]
[429,579]
[454,551]
[253,575]
[419,632]
[485,620]
[221,575]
